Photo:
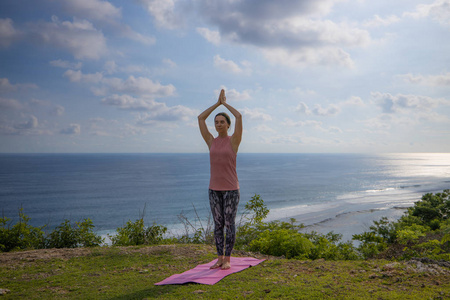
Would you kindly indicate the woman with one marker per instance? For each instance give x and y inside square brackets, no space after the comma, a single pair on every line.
[224,185]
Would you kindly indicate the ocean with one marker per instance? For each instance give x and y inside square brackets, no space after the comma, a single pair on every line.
[343,193]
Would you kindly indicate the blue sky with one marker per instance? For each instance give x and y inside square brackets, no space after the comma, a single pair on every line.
[307,75]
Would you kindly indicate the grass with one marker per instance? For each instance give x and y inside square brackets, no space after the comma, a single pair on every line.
[130,273]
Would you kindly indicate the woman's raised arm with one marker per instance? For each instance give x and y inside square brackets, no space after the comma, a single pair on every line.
[207,136]
[237,135]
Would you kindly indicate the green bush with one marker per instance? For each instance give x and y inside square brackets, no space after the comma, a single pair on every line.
[411,234]
[255,210]
[292,244]
[21,235]
[432,207]
[282,242]
[423,229]
[371,245]
[135,233]
[328,246]
[249,232]
[68,236]
[284,239]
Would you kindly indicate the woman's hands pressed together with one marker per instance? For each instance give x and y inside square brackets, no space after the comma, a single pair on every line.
[222,98]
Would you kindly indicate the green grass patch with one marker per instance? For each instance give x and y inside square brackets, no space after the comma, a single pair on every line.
[130,273]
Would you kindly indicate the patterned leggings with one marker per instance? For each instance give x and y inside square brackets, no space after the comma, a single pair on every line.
[224,208]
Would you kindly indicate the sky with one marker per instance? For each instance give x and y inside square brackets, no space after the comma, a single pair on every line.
[333,76]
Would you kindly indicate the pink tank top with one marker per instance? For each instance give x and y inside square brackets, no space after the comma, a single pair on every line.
[223,165]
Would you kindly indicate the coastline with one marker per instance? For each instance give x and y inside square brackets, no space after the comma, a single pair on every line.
[350,223]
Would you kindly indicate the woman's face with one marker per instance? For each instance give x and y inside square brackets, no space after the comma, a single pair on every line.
[220,122]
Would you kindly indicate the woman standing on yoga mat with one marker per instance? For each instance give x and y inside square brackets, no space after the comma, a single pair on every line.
[224,185]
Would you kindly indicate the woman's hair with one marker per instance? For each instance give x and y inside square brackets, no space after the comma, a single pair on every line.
[227,117]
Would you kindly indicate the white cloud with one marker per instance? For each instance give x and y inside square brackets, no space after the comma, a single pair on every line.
[172,113]
[318,110]
[78,76]
[27,125]
[133,130]
[256,11]
[30,124]
[433,117]
[110,67]
[132,85]
[302,108]
[163,12]
[130,103]
[58,110]
[311,123]
[353,101]
[53,110]
[300,58]
[283,139]
[79,37]
[255,114]
[6,86]
[263,128]
[430,80]
[406,103]
[66,64]
[234,95]
[155,111]
[126,32]
[31,127]
[289,32]
[330,110]
[291,123]
[103,127]
[105,13]
[385,123]
[226,65]
[438,11]
[141,86]
[37,102]
[8,34]
[293,33]
[211,36]
[334,129]
[377,21]
[34,105]
[92,9]
[73,129]
[299,92]
[10,104]
[168,62]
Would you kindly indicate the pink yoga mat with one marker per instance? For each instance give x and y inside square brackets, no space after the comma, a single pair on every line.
[204,275]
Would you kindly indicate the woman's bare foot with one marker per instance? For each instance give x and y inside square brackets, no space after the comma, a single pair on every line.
[218,264]
[226,264]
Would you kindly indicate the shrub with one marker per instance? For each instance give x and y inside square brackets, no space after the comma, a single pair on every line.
[255,210]
[432,207]
[67,235]
[194,233]
[135,233]
[371,244]
[249,232]
[411,234]
[328,246]
[21,235]
[427,219]
[282,242]
[284,239]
